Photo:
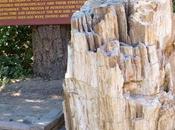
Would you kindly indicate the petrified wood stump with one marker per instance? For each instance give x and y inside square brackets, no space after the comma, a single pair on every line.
[120,73]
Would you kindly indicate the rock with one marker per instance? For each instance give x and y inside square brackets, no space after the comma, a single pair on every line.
[120,73]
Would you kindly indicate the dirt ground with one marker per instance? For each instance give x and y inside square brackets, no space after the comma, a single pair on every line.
[31,102]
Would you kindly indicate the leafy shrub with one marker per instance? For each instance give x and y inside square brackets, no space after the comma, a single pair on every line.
[174,5]
[15,52]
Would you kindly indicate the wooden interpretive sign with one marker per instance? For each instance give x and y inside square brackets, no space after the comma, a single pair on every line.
[37,12]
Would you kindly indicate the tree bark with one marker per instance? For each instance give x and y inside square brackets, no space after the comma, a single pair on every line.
[50,50]
[121,67]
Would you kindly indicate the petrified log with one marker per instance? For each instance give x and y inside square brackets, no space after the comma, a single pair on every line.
[120,73]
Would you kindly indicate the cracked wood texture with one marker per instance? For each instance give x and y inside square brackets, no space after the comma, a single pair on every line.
[121,66]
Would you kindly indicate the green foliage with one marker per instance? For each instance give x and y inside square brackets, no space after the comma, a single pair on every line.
[15,52]
[174,5]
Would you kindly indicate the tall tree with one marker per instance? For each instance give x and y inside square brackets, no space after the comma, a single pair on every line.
[50,50]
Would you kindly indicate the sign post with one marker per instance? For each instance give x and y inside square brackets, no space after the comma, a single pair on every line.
[37,12]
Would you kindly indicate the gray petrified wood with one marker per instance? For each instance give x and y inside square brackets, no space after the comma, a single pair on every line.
[120,67]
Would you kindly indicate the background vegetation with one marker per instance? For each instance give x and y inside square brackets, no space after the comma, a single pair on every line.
[174,5]
[15,52]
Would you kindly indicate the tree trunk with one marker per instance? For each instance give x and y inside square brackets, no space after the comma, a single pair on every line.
[120,69]
[50,50]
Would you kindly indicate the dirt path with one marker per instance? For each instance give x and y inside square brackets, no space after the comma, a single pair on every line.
[31,102]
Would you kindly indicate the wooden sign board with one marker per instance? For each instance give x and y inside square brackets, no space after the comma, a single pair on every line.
[37,12]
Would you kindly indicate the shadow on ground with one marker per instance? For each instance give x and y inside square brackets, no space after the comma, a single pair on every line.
[33,103]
